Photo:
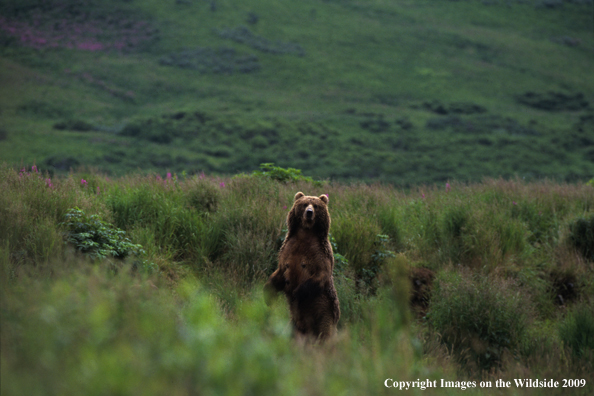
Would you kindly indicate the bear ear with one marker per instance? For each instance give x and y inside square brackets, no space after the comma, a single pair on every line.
[299,195]
[324,198]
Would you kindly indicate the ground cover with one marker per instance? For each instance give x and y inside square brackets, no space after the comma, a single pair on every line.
[152,283]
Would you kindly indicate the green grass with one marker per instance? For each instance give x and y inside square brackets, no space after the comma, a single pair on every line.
[511,298]
[366,99]
[478,319]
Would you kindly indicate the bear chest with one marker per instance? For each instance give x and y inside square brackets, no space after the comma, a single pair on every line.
[302,259]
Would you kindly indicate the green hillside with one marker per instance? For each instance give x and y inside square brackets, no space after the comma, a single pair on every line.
[406,91]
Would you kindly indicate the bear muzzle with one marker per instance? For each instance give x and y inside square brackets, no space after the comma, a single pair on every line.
[308,216]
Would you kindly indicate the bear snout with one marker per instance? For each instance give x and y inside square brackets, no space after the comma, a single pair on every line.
[309,212]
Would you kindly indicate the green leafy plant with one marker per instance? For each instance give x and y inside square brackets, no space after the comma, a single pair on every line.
[340,262]
[378,258]
[268,170]
[97,238]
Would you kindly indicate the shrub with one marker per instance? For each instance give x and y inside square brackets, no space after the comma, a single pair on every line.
[581,236]
[268,170]
[479,318]
[98,239]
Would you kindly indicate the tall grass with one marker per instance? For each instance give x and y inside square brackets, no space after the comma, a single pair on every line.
[502,252]
[577,332]
[479,318]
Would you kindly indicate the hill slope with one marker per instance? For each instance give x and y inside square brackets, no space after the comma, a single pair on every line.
[405,92]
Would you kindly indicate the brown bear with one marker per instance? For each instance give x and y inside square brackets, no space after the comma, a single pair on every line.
[304,274]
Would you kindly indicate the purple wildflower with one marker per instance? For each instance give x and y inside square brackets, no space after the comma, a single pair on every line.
[49,183]
[83,182]
[285,207]
[448,188]
[98,190]
[34,169]
[168,175]
[222,184]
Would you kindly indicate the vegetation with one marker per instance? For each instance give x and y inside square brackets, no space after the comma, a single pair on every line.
[283,175]
[132,262]
[403,92]
[512,295]
[91,235]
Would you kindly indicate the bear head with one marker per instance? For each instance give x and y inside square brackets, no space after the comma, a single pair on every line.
[310,213]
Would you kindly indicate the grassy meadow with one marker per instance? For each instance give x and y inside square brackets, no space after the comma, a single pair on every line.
[406,92]
[150,284]
[454,140]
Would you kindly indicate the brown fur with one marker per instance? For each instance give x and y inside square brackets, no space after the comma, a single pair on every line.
[305,264]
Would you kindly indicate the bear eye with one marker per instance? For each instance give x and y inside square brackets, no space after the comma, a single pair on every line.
[315,206]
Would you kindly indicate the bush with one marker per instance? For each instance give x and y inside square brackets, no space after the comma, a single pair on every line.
[268,170]
[98,239]
[479,318]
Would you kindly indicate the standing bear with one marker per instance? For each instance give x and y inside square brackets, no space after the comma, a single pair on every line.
[304,273]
